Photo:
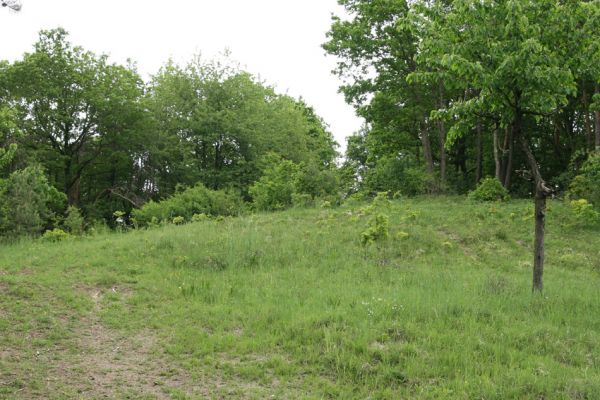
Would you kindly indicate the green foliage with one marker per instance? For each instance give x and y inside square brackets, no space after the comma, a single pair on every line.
[72,105]
[317,182]
[55,235]
[489,189]
[195,200]
[454,84]
[199,217]
[397,175]
[9,131]
[377,231]
[6,155]
[302,200]
[586,185]
[28,203]
[219,122]
[584,212]
[274,190]
[74,222]
[179,220]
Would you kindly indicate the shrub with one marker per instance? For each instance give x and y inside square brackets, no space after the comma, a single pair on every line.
[377,232]
[55,235]
[489,189]
[302,200]
[398,175]
[178,220]
[195,200]
[28,203]
[274,190]
[74,222]
[586,185]
[199,217]
[317,182]
[584,212]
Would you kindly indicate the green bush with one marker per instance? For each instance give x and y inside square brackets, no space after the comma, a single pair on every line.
[199,217]
[194,200]
[489,189]
[275,189]
[179,220]
[28,203]
[55,235]
[303,200]
[317,182]
[586,185]
[74,222]
[584,212]
[398,176]
[377,231]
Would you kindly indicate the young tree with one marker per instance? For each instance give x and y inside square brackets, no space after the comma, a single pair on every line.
[508,55]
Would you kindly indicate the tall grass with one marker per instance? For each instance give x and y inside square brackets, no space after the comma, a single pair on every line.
[291,305]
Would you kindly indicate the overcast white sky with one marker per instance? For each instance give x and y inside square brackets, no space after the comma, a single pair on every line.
[276,39]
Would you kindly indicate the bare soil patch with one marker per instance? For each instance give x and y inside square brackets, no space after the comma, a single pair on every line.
[110,364]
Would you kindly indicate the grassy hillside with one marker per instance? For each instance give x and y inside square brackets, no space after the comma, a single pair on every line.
[290,305]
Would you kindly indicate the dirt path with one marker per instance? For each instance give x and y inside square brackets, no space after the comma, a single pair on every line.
[110,365]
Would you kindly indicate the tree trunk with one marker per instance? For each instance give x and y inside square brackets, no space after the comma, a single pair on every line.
[442,139]
[68,184]
[586,118]
[496,155]
[479,166]
[510,136]
[538,248]
[74,192]
[541,194]
[426,142]
[597,120]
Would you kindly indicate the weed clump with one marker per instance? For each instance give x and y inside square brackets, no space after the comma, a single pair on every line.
[179,220]
[55,235]
[377,231]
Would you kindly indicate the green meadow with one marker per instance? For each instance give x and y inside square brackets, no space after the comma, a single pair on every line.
[291,305]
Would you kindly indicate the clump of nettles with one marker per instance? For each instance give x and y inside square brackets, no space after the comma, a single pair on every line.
[490,189]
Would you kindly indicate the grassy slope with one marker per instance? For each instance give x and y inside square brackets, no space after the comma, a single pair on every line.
[289,305]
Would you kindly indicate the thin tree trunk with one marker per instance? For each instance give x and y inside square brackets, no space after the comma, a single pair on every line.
[508,171]
[541,194]
[418,153]
[442,140]
[74,191]
[587,122]
[479,166]
[443,158]
[426,142]
[496,155]
[597,120]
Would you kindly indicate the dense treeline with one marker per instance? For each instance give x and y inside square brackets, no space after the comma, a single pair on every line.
[80,131]
[456,90]
[449,89]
